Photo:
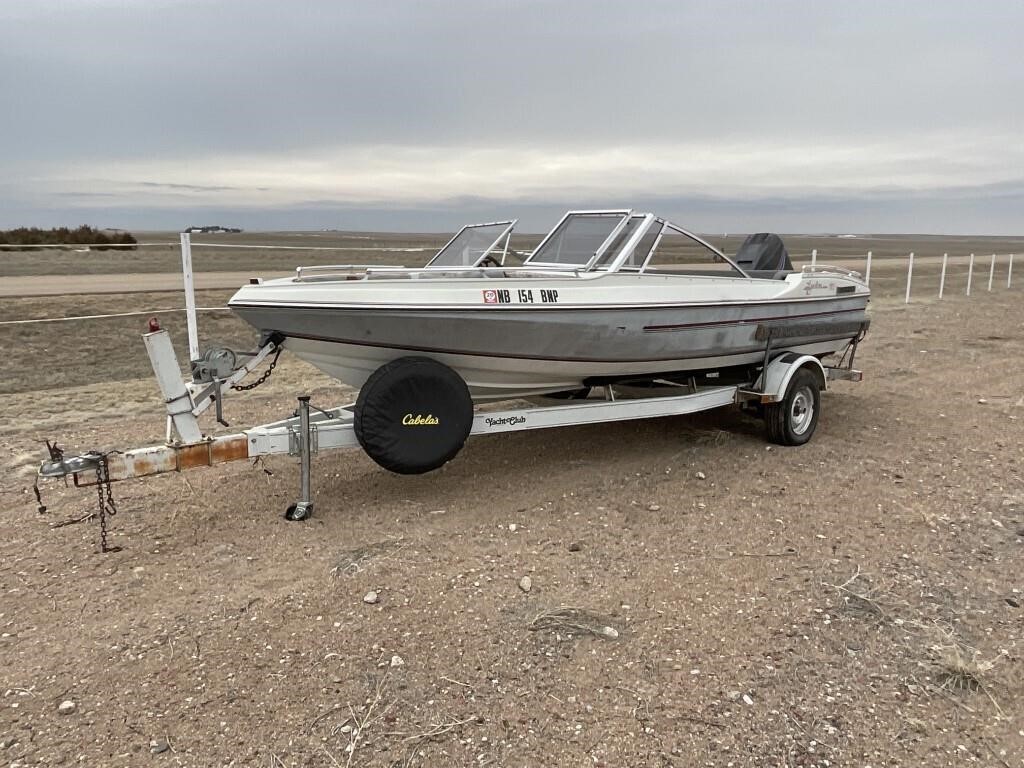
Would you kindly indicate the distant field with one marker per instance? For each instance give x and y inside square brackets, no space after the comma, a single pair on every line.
[166,256]
[415,249]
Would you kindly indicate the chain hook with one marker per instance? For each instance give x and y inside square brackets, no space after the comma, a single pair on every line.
[105,498]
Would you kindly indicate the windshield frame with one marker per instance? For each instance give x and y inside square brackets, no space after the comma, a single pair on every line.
[506,234]
[624,215]
[668,225]
[618,260]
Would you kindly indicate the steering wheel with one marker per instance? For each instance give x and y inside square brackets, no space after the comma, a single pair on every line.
[489,261]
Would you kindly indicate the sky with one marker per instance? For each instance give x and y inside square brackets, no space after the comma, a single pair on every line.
[726,116]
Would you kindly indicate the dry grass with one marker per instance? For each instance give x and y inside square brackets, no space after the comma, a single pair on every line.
[860,596]
[414,743]
[355,560]
[959,667]
[363,733]
[574,621]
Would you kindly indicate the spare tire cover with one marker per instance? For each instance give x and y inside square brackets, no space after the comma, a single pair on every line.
[413,415]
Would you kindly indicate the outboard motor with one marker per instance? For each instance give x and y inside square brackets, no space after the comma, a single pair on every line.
[764,252]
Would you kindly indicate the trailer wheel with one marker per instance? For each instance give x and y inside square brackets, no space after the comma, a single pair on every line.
[793,421]
[413,415]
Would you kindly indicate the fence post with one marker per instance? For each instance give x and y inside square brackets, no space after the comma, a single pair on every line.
[910,275]
[867,273]
[190,295]
[991,271]
[1009,271]
[942,275]
[814,256]
[970,273]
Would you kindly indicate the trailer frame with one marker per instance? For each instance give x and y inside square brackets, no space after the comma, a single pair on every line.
[312,430]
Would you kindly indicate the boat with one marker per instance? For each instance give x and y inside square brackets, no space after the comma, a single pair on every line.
[607,296]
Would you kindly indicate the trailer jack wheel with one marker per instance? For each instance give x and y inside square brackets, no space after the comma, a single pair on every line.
[302,510]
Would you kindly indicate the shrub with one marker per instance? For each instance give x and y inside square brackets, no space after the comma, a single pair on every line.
[83,235]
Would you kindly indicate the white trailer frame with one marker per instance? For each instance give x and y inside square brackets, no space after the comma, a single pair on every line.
[313,430]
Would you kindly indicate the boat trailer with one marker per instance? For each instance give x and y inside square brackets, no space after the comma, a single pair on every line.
[312,430]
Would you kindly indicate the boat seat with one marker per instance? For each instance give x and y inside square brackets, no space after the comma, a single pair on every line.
[764,255]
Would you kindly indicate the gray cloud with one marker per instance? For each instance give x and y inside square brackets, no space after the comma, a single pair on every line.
[187,187]
[404,106]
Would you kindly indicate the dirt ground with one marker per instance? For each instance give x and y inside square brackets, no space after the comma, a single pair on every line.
[852,602]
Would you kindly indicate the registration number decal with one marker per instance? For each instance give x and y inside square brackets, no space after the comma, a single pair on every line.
[521,296]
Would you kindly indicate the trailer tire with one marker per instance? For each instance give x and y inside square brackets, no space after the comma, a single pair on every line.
[793,420]
[413,415]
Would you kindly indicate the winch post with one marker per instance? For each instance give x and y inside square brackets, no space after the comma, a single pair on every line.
[177,399]
[303,508]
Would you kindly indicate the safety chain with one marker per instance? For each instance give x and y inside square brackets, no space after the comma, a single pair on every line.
[262,378]
[105,497]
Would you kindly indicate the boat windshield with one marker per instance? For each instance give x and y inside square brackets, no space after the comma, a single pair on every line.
[472,244]
[620,240]
[579,237]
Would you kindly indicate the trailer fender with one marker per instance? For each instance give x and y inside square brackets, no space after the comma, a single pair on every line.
[775,379]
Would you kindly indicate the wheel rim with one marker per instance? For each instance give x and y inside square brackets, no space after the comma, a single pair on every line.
[801,411]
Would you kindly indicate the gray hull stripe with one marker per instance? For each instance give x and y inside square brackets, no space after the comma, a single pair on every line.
[541,307]
[746,321]
[562,358]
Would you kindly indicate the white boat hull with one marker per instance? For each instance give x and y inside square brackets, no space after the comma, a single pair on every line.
[512,334]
